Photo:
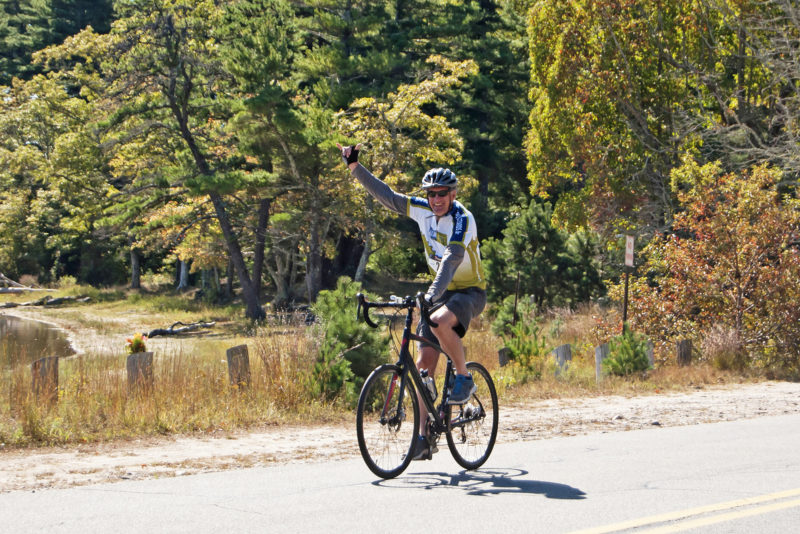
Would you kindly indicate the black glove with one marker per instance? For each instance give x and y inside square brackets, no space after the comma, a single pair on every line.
[353,157]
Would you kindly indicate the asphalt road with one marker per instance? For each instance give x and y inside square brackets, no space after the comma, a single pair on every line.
[741,476]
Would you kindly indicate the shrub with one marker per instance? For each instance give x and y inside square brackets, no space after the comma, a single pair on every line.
[627,354]
[332,377]
[505,314]
[724,348]
[67,281]
[732,258]
[527,348]
[345,343]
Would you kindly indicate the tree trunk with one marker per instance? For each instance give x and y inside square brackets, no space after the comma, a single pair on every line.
[261,240]
[362,262]
[183,275]
[229,281]
[253,308]
[282,268]
[136,281]
[314,264]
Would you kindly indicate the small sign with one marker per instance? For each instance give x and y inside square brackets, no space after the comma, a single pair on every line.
[629,250]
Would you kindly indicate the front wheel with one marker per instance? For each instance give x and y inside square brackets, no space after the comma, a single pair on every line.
[387,421]
[472,426]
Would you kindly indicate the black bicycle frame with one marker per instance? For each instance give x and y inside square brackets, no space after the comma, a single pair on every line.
[407,364]
[409,367]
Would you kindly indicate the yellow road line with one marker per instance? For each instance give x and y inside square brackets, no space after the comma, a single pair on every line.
[685,514]
[705,521]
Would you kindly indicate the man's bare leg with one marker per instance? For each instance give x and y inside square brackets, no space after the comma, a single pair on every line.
[449,340]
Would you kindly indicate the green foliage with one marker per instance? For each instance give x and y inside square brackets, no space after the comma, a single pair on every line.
[332,378]
[401,257]
[27,26]
[505,313]
[554,268]
[349,350]
[621,91]
[627,354]
[527,348]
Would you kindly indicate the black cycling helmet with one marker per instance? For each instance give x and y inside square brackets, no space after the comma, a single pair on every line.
[439,178]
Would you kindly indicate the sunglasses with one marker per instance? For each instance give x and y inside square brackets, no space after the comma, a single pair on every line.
[442,193]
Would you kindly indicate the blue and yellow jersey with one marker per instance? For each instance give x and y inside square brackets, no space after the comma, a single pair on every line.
[457,227]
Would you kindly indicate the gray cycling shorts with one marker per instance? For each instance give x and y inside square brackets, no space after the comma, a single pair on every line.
[466,304]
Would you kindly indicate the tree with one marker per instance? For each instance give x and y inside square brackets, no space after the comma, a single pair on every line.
[23,30]
[27,26]
[162,75]
[732,260]
[621,90]
[53,164]
[490,108]
[402,136]
[553,268]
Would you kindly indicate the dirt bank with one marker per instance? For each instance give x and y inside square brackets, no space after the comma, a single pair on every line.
[77,465]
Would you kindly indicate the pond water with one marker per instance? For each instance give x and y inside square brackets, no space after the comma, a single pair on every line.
[23,341]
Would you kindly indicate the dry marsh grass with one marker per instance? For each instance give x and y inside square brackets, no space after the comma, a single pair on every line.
[192,393]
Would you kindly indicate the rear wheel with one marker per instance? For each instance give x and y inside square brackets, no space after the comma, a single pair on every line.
[387,426]
[472,426]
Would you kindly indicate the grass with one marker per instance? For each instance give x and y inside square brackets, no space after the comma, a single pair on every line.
[192,394]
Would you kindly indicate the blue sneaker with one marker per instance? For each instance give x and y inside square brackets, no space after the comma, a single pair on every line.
[463,388]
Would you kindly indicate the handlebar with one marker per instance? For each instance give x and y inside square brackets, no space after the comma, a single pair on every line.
[417,302]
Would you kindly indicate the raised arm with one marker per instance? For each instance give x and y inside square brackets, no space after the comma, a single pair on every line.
[383,193]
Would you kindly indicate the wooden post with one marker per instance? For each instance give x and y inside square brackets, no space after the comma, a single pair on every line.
[650,355]
[45,379]
[625,301]
[238,366]
[684,352]
[562,354]
[140,371]
[502,356]
[600,354]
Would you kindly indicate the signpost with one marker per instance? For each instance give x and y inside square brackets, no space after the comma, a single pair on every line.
[628,269]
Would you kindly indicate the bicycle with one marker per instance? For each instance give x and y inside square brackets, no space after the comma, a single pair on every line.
[387,417]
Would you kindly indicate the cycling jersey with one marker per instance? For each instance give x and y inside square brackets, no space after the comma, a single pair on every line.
[457,227]
[444,239]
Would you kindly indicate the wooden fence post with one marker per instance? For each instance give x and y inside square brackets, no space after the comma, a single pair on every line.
[684,352]
[562,354]
[140,371]
[600,354]
[45,379]
[238,366]
[502,356]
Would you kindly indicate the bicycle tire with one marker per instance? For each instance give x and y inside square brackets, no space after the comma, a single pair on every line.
[386,441]
[472,426]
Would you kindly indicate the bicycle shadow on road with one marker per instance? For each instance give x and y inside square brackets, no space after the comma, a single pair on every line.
[485,482]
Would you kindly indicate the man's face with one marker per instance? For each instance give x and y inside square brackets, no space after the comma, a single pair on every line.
[440,199]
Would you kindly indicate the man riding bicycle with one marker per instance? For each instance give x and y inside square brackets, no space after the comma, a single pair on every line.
[457,293]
